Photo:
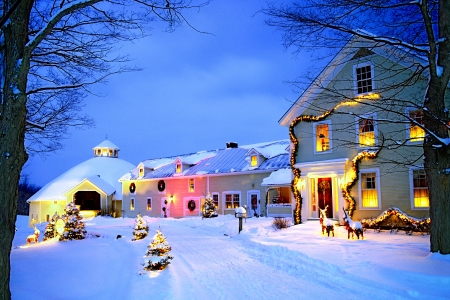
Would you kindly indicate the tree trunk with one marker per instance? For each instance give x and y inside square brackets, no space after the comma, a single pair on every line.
[14,68]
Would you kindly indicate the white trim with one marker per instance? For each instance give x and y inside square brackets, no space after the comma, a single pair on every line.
[377,187]
[330,137]
[411,188]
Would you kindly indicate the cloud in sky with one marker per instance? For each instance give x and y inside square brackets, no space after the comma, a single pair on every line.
[195,92]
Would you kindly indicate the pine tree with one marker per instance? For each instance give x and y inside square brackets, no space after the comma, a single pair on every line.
[209,210]
[157,256]
[140,228]
[50,229]
[74,229]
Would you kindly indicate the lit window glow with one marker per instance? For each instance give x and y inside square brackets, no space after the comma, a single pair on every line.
[191,185]
[366,132]
[416,133]
[420,183]
[369,191]
[254,161]
[322,138]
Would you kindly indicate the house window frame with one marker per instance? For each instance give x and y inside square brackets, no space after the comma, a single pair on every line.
[375,130]
[254,160]
[132,204]
[149,203]
[408,127]
[355,79]
[178,168]
[191,186]
[412,188]
[216,202]
[233,194]
[377,187]
[330,135]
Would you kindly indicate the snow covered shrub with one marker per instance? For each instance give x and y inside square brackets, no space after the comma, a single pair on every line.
[280,223]
[74,228]
[140,228]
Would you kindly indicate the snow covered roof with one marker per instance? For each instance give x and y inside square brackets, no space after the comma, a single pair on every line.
[106,144]
[101,171]
[221,161]
[278,177]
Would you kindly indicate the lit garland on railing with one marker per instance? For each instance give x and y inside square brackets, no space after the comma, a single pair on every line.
[418,224]
[296,172]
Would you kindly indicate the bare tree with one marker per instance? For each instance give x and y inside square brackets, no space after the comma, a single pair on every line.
[51,53]
[420,28]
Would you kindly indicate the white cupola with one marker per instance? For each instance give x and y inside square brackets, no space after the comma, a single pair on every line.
[106,148]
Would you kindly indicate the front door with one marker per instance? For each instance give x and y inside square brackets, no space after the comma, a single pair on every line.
[253,204]
[325,196]
[165,207]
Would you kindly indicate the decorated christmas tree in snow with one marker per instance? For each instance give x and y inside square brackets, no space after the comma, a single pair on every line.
[140,228]
[74,228]
[209,210]
[157,256]
[50,229]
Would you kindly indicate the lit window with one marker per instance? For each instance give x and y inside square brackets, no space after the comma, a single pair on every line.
[416,133]
[232,200]
[254,161]
[104,152]
[110,152]
[191,185]
[132,204]
[322,138]
[420,186]
[178,168]
[99,152]
[141,172]
[149,203]
[366,132]
[369,192]
[363,79]
[215,200]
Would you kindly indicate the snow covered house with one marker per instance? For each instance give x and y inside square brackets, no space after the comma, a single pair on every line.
[234,176]
[357,135]
[92,185]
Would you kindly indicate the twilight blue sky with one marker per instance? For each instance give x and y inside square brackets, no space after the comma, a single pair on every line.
[196,91]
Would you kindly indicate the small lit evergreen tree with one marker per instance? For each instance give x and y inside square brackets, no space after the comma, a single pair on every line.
[140,228]
[50,229]
[74,228]
[209,209]
[157,256]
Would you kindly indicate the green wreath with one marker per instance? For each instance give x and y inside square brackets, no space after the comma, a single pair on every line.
[191,205]
[132,187]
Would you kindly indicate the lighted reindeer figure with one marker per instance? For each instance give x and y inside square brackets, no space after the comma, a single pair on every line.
[352,227]
[33,237]
[327,224]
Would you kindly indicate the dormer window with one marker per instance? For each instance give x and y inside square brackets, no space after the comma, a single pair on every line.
[141,172]
[178,168]
[253,161]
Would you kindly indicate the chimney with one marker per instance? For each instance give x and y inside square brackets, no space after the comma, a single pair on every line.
[232,145]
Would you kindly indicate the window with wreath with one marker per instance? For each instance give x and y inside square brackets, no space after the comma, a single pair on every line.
[363,78]
[366,131]
[322,133]
[149,203]
[420,189]
[131,204]
[369,189]
[416,132]
[232,200]
[191,187]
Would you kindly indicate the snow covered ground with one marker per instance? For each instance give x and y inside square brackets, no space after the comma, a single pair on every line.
[212,261]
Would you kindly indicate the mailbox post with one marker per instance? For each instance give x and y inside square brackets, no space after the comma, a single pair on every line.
[240,213]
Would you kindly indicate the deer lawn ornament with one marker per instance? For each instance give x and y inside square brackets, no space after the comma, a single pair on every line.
[33,237]
[353,227]
[327,224]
